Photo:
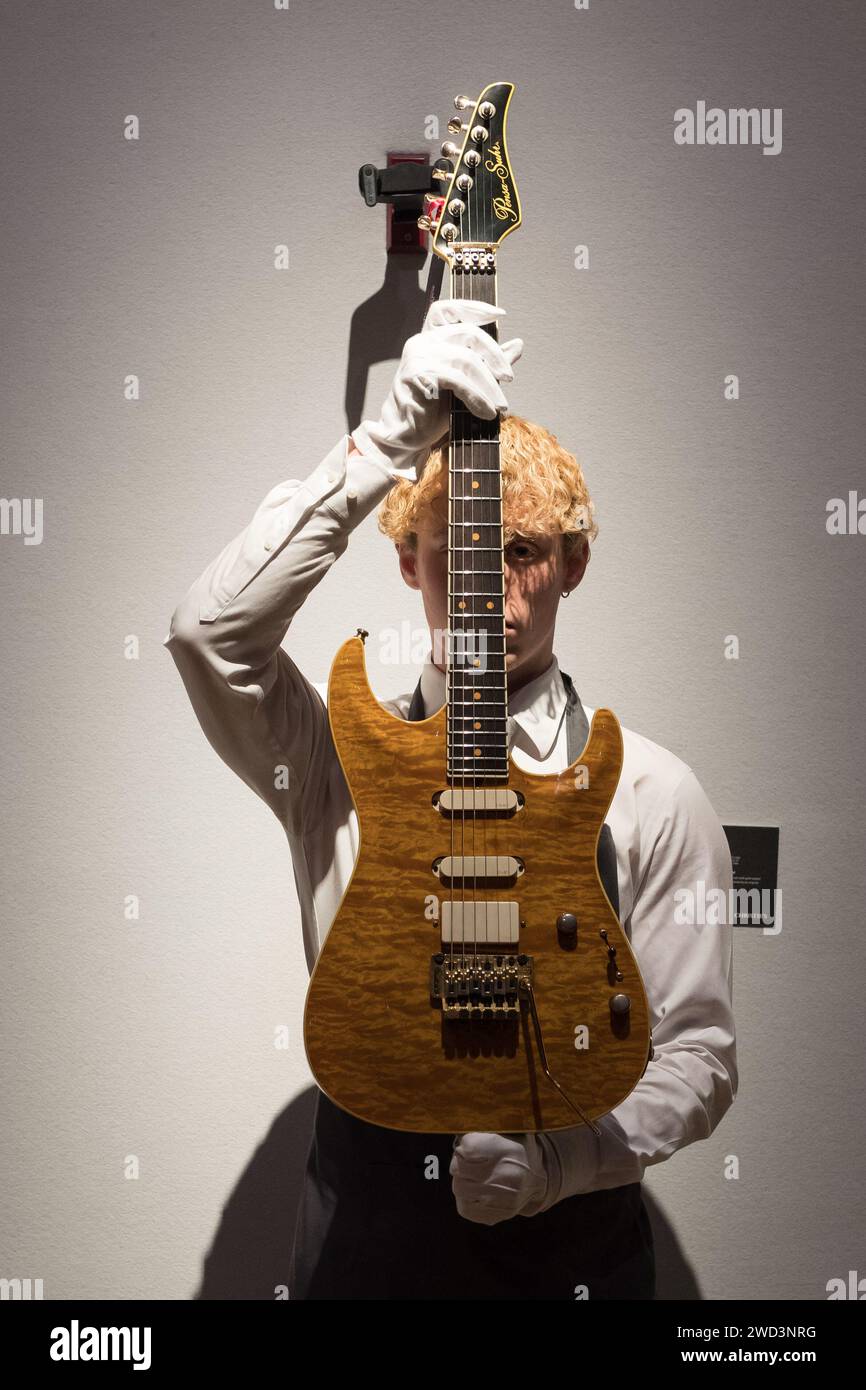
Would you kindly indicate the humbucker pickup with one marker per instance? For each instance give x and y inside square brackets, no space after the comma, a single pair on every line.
[473,922]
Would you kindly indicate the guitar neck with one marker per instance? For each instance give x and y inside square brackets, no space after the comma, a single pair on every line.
[477,695]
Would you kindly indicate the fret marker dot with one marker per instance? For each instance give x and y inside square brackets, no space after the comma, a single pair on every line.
[475,484]
[478,752]
[476,695]
[490,603]
[475,536]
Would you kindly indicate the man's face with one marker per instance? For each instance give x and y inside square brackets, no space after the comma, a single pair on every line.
[536,573]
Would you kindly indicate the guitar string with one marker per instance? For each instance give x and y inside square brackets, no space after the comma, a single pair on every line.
[459,647]
[470,636]
[454,683]
[466,286]
[486,570]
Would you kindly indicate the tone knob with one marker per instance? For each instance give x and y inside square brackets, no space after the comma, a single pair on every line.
[620,1004]
[566,923]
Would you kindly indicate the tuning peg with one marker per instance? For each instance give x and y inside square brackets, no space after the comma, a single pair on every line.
[450,150]
[443,175]
[455,125]
[425,224]
[463,103]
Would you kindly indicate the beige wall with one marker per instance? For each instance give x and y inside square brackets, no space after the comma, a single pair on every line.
[155,1038]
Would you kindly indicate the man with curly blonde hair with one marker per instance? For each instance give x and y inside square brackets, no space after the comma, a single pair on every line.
[557,1215]
[548,522]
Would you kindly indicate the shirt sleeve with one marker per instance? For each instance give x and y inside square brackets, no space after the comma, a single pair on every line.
[687,969]
[256,708]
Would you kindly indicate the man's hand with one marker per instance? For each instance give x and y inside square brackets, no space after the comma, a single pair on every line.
[497,1176]
[453,352]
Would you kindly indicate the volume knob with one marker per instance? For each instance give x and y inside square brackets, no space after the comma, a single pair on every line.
[566,923]
[620,1004]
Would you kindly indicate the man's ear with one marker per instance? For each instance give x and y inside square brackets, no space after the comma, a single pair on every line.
[408,557]
[575,565]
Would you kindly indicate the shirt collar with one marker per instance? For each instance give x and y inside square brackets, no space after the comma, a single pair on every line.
[535,711]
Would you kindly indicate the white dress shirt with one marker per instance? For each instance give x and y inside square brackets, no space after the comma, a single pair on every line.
[270,724]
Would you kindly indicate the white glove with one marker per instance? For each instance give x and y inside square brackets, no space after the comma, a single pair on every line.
[497,1176]
[451,353]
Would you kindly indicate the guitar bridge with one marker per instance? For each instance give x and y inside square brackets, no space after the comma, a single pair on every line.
[479,986]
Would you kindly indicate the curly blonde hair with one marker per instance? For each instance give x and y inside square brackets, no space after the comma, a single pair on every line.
[543,491]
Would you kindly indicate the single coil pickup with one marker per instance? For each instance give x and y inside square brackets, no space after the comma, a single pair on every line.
[480,803]
[478,870]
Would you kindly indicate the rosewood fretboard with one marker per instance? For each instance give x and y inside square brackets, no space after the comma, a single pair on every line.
[477,698]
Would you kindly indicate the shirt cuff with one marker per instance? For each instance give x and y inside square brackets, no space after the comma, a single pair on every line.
[369,451]
[574,1158]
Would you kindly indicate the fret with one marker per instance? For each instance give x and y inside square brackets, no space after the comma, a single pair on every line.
[466,743]
[501,770]
[488,719]
[482,764]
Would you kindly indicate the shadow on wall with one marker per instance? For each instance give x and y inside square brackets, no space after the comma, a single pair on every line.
[251,1251]
[380,327]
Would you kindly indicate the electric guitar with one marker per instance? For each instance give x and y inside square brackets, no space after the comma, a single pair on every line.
[476,976]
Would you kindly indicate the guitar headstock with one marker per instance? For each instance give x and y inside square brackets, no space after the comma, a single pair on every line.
[480,205]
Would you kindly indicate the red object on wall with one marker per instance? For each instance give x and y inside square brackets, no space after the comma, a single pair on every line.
[403,236]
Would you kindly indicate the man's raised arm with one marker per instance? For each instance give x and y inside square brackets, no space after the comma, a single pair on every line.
[257,709]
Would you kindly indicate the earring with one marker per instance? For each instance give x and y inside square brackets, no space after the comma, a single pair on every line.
[565,593]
